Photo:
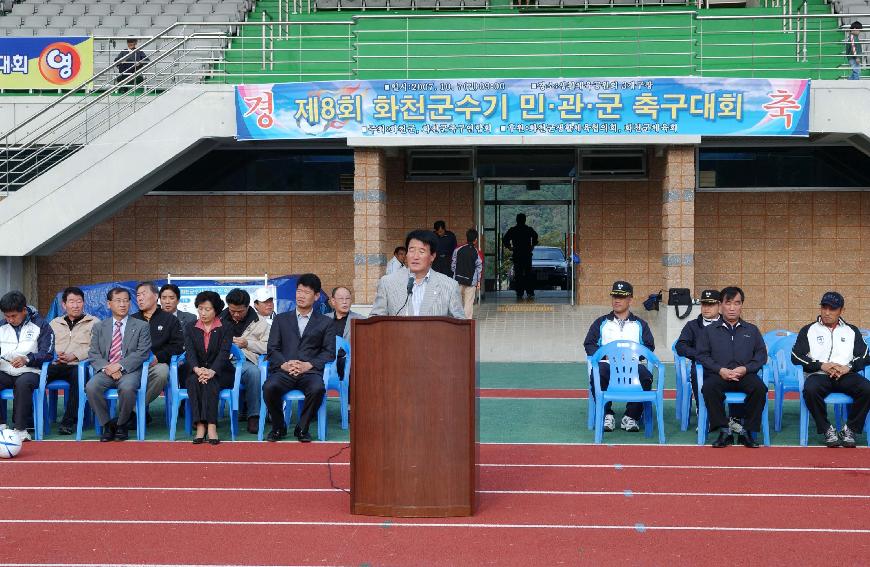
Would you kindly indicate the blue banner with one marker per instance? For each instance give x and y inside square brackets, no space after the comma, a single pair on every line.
[524,107]
[45,62]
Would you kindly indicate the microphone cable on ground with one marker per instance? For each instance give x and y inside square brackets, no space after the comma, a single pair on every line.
[329,469]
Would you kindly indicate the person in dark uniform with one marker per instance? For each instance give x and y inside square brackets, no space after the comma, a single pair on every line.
[208,357]
[521,240]
[446,243]
[732,352]
[129,62]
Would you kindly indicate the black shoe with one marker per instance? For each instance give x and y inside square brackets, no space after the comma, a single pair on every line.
[747,441]
[198,440]
[254,424]
[214,441]
[108,432]
[65,430]
[723,440]
[121,434]
[304,437]
[847,438]
[276,435]
[297,432]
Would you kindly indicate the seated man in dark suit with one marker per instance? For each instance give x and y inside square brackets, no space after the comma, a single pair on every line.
[166,339]
[301,343]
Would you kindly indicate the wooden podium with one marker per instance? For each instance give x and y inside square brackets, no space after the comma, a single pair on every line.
[413,417]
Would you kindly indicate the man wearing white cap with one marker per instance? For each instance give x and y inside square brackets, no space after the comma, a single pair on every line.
[264,304]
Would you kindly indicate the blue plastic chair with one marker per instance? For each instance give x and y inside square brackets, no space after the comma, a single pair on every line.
[624,358]
[86,372]
[770,338]
[294,396]
[683,370]
[730,398]
[50,392]
[784,379]
[341,386]
[9,394]
[840,401]
[228,396]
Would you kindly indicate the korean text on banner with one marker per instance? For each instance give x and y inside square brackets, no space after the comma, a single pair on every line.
[54,63]
[524,107]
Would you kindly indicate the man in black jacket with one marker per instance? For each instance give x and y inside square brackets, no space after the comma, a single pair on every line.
[521,240]
[732,352]
[166,339]
[301,343]
[832,352]
[687,346]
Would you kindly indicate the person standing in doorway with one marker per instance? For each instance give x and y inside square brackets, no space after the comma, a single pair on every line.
[521,240]
[467,266]
[446,244]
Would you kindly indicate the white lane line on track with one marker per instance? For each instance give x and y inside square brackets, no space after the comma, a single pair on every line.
[393,523]
[617,466]
[514,492]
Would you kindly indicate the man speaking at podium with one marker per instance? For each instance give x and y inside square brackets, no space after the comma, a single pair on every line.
[418,290]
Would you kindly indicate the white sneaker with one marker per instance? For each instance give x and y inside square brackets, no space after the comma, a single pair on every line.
[2,426]
[629,424]
[609,423]
[23,435]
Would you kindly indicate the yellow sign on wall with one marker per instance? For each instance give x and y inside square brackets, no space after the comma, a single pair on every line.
[45,62]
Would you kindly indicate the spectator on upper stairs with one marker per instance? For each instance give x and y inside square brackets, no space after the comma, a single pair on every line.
[129,62]
[853,50]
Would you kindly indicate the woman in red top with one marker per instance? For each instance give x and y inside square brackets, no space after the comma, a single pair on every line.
[207,345]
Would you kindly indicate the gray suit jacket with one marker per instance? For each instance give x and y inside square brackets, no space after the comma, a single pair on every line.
[135,348]
[442,297]
[350,315]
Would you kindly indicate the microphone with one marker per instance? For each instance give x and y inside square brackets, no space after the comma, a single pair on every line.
[410,292]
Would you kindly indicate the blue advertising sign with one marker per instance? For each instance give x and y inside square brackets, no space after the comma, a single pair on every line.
[45,62]
[524,107]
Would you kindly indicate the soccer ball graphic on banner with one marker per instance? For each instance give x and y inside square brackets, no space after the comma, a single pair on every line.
[10,444]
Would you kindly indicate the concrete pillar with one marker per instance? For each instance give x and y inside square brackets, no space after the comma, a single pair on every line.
[678,230]
[19,273]
[369,223]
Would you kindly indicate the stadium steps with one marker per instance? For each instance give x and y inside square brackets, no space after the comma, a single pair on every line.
[130,159]
[573,45]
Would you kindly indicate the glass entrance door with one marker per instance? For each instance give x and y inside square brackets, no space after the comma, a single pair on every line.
[549,209]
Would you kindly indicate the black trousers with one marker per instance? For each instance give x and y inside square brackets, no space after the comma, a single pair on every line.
[204,398]
[279,383]
[523,277]
[22,406]
[714,398]
[737,411]
[634,410]
[818,386]
[68,373]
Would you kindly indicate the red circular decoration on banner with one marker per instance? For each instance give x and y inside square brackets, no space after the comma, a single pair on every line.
[59,63]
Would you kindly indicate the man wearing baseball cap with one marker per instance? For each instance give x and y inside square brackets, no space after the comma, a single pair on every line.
[620,325]
[264,304]
[832,353]
[686,345]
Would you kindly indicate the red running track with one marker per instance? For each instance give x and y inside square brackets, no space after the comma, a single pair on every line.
[247,503]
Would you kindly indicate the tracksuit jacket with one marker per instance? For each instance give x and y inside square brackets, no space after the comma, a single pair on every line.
[817,344]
